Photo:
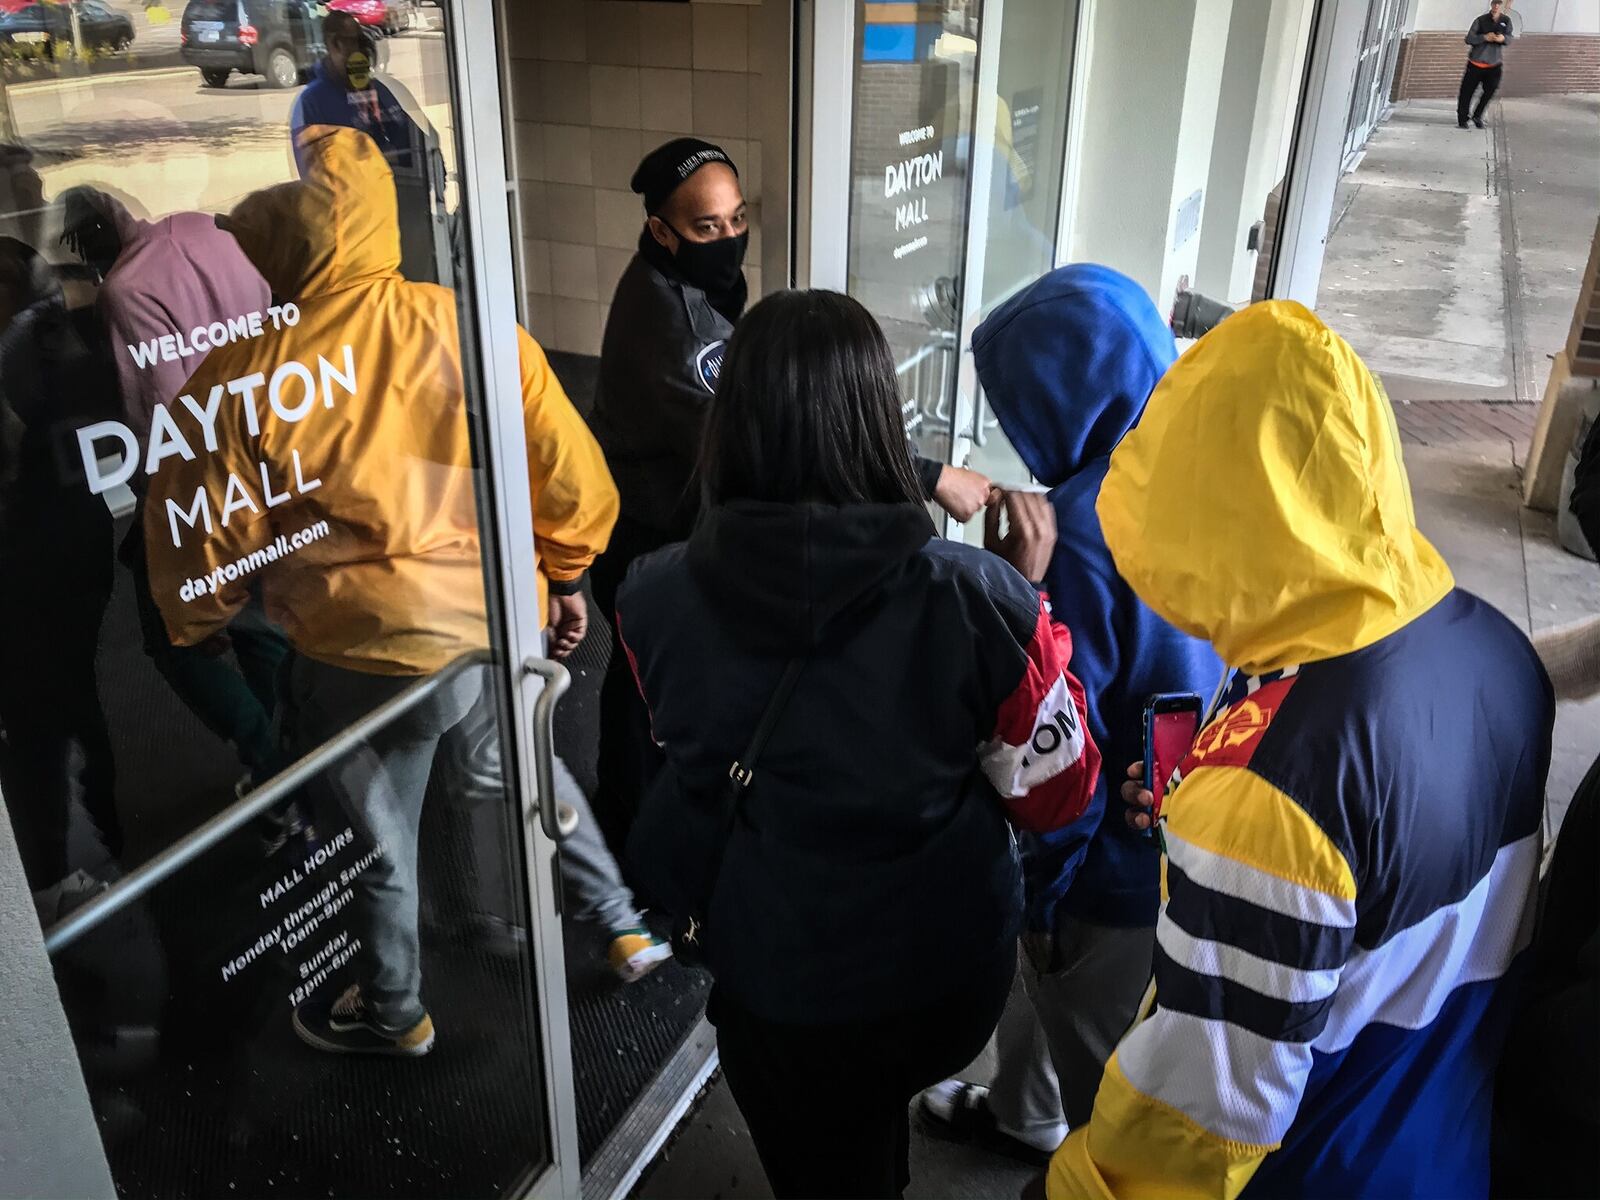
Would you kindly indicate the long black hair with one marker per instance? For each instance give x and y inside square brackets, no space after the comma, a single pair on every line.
[808,409]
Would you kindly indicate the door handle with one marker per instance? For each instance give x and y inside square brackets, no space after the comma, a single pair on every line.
[559,820]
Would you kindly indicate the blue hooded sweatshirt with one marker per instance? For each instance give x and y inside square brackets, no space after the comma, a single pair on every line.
[1067,366]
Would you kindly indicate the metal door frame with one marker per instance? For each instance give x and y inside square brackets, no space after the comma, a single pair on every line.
[529,684]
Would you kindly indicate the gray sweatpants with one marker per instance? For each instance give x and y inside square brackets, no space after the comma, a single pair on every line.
[1060,1026]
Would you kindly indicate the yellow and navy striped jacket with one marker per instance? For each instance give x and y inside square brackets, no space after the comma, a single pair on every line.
[1353,847]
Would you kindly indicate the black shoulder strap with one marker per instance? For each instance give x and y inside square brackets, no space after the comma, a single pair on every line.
[744,769]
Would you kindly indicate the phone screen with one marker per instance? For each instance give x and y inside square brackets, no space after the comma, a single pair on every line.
[1171,723]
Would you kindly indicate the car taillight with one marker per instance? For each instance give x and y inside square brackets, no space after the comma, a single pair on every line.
[248,35]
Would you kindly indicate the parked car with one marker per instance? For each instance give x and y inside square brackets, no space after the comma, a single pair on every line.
[278,39]
[389,16]
[42,22]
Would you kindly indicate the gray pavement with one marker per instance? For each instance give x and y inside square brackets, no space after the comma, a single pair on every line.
[1456,255]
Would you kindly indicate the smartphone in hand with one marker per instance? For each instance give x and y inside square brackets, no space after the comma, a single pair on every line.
[1171,723]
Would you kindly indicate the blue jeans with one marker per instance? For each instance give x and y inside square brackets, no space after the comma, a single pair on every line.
[378,789]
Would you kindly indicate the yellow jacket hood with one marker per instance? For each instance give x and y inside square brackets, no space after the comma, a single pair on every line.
[1261,503]
[335,228]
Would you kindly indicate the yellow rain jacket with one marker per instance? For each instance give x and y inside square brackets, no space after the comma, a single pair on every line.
[328,460]
[1373,770]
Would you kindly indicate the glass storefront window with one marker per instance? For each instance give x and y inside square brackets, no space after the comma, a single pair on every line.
[243,627]
[937,201]
[911,148]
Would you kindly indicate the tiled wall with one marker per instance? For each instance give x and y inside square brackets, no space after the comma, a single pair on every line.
[595,84]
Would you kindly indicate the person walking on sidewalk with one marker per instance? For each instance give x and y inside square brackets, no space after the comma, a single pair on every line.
[1487,38]
[1067,365]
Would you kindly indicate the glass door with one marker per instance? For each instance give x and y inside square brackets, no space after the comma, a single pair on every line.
[274,724]
[956,115]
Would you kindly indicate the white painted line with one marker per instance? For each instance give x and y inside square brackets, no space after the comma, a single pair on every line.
[77,81]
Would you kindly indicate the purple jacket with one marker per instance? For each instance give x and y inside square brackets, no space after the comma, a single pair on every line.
[175,275]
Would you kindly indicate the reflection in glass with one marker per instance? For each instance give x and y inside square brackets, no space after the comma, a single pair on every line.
[910,157]
[238,513]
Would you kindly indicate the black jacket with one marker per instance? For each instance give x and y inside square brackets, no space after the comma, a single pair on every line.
[659,363]
[658,371]
[874,863]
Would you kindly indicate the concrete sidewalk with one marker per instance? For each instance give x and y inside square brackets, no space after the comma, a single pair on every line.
[1455,256]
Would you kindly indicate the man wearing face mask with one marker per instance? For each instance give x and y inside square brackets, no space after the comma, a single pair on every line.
[674,309]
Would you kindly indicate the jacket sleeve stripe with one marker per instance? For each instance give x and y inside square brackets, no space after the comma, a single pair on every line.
[1219,999]
[1211,959]
[1230,1081]
[1268,935]
[1244,882]
[1261,827]
[1406,981]
[1041,759]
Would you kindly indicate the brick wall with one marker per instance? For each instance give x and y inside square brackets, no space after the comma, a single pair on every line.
[1537,64]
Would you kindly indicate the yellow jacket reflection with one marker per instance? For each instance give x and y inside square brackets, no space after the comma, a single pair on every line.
[327,459]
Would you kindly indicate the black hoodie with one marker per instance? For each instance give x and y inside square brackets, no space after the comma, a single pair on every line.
[874,864]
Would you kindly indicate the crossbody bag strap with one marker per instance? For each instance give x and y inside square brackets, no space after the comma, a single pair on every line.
[744,768]
[743,771]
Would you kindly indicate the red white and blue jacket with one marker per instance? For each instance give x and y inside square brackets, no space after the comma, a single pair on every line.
[876,863]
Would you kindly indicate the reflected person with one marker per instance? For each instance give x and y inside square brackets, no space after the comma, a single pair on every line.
[55,569]
[344,91]
[159,277]
[378,579]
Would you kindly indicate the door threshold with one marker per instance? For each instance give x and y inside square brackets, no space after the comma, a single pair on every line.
[617,1166]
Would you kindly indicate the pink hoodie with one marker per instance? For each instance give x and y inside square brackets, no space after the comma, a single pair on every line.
[173,274]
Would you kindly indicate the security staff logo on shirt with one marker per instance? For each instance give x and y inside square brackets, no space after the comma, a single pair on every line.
[708,364]
[358,70]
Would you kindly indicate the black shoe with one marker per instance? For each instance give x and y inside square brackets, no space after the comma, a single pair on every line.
[1461,124]
[1478,121]
[345,1027]
[959,1112]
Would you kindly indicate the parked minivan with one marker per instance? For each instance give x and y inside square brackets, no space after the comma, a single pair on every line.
[278,39]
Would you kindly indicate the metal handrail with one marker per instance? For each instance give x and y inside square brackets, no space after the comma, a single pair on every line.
[196,842]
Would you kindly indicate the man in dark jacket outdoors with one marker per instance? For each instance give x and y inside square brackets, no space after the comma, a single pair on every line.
[1487,38]
[1067,366]
[671,317]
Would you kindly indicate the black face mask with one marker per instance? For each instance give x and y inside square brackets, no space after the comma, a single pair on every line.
[713,267]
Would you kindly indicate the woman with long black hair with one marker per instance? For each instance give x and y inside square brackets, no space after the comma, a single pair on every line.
[858,898]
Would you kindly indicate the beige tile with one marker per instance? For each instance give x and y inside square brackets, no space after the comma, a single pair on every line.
[738,149]
[527,95]
[616,154]
[605,320]
[610,263]
[541,319]
[614,96]
[618,217]
[613,33]
[536,265]
[721,39]
[753,252]
[534,201]
[572,272]
[665,35]
[529,149]
[750,173]
[752,276]
[721,104]
[564,92]
[559,33]
[578,326]
[571,213]
[568,157]
[666,100]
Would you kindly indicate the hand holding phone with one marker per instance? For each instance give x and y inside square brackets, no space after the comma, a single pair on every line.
[1171,723]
